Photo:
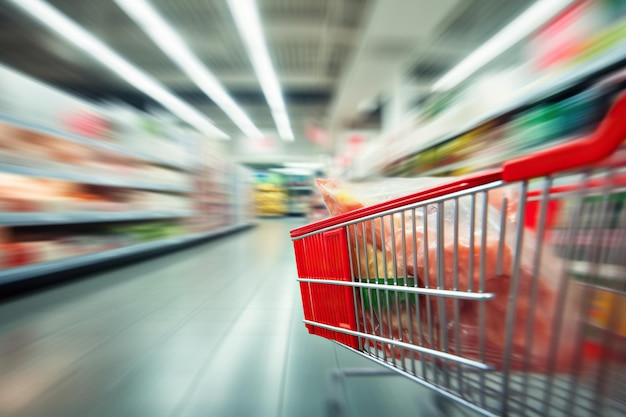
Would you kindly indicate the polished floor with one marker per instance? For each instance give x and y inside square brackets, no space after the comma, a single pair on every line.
[214,330]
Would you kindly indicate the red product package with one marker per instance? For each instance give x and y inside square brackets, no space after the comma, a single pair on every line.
[18,254]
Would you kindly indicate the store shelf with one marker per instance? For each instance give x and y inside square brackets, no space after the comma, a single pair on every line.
[94,143]
[51,267]
[75,217]
[92,179]
[483,162]
[597,67]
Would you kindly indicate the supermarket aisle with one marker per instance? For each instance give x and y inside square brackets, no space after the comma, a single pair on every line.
[210,331]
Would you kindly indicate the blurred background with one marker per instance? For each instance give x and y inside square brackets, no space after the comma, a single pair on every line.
[135,127]
[350,88]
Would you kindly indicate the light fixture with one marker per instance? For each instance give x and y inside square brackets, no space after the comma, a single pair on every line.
[292,171]
[248,23]
[525,24]
[174,47]
[83,39]
[311,165]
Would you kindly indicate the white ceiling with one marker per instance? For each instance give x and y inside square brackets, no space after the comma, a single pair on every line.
[394,31]
[329,54]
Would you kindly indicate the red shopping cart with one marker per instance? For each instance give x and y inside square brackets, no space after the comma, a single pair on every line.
[504,291]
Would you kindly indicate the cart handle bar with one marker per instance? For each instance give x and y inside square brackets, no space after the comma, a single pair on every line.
[579,153]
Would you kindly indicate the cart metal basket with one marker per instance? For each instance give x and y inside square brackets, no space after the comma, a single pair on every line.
[503,291]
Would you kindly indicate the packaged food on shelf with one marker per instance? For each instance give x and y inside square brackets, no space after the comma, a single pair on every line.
[29,148]
[557,94]
[270,195]
[43,245]
[78,178]
[28,194]
[18,254]
[298,204]
[270,200]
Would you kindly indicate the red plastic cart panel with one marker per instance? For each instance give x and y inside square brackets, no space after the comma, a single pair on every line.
[326,256]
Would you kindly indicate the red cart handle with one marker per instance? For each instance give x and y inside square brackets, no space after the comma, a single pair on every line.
[601,144]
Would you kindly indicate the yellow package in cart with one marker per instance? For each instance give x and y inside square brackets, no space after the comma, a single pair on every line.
[608,311]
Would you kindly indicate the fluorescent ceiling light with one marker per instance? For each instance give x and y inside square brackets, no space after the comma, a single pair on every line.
[312,165]
[174,47]
[80,37]
[248,23]
[532,19]
[291,171]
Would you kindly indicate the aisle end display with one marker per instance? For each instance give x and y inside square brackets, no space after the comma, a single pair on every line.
[270,195]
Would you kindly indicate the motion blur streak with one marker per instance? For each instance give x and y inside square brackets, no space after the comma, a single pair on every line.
[77,35]
[174,46]
[249,24]
[532,19]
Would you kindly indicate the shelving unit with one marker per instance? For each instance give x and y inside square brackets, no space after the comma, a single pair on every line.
[69,201]
[542,92]
[559,86]
[98,144]
[83,178]
[298,200]
[51,267]
[271,200]
[299,193]
[52,218]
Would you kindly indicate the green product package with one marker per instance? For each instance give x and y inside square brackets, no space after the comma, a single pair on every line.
[370,297]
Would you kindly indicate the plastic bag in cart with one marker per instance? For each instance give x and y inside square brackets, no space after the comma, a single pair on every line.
[455,325]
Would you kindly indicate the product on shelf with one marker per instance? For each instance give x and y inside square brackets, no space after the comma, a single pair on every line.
[28,194]
[221,192]
[299,204]
[32,247]
[298,187]
[24,147]
[78,178]
[270,200]
[514,134]
[270,195]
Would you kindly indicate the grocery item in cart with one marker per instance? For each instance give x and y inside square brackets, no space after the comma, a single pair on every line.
[454,245]
[342,198]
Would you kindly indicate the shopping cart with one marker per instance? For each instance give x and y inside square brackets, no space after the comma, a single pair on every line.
[514,310]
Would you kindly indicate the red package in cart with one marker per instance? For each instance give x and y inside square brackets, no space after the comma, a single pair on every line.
[463,245]
[478,256]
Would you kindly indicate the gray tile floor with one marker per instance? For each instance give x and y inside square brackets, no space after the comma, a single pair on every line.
[214,330]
